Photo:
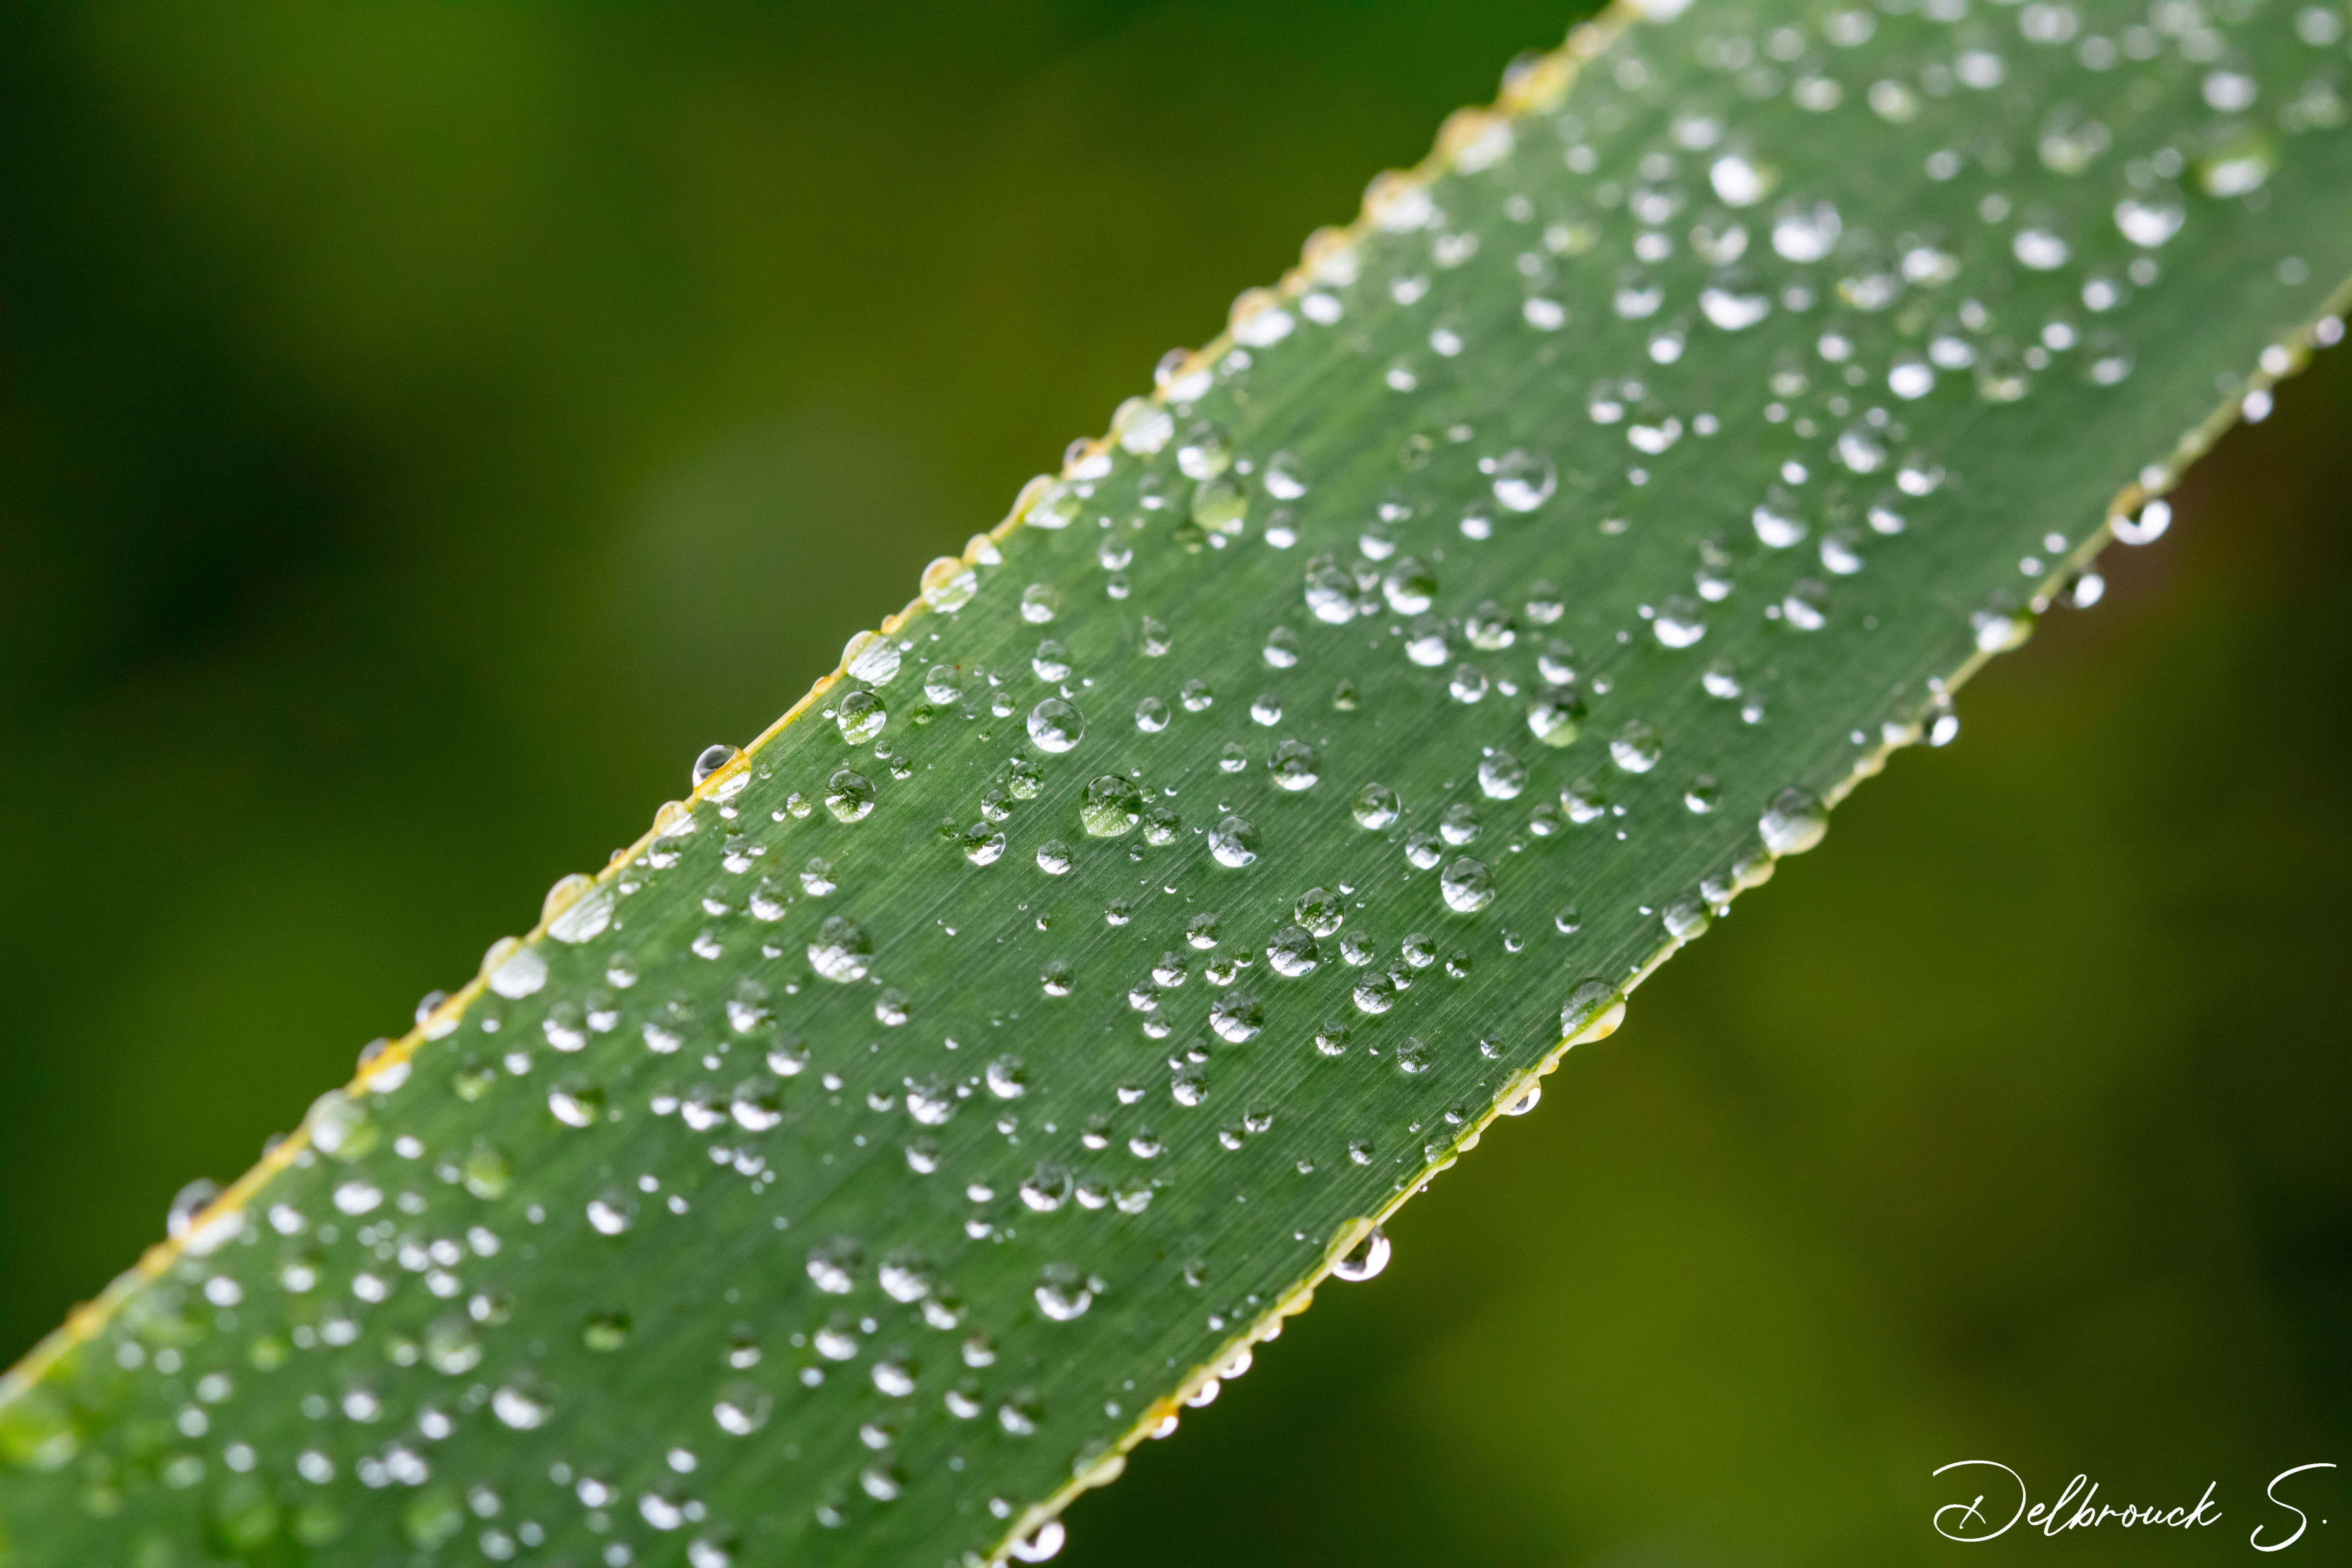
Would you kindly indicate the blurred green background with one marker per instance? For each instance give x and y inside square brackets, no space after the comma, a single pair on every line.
[422,427]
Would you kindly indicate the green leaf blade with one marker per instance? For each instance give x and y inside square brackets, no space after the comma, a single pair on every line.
[865,1160]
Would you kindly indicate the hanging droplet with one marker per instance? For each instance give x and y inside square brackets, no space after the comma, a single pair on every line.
[1793,823]
[1365,1259]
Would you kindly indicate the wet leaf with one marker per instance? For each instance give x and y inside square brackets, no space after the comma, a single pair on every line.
[974,1067]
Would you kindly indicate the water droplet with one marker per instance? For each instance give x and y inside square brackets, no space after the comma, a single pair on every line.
[576,1102]
[1151,715]
[949,584]
[611,1212]
[2148,224]
[605,1333]
[1806,605]
[1038,602]
[849,795]
[1730,312]
[341,1127]
[1554,716]
[1679,622]
[1375,806]
[1046,1188]
[741,1408]
[1292,953]
[1235,841]
[1636,749]
[1804,234]
[712,759]
[842,950]
[1410,587]
[1501,777]
[1468,885]
[1777,524]
[1219,509]
[2238,161]
[1205,452]
[1008,1078]
[2147,528]
[1737,181]
[1590,1004]
[1793,823]
[1295,765]
[1365,1259]
[1685,918]
[1285,480]
[1999,630]
[1056,725]
[1236,1016]
[860,716]
[1041,1543]
[1524,481]
[2039,249]
[451,1346]
[1113,805]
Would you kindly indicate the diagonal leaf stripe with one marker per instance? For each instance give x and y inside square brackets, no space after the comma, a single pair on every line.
[971,1070]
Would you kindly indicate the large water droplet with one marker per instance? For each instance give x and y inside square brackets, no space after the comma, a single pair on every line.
[860,716]
[1292,953]
[1295,765]
[1468,885]
[1501,777]
[1637,748]
[1235,841]
[1410,587]
[949,584]
[842,950]
[1236,1016]
[1041,1543]
[1793,823]
[1365,1259]
[712,759]
[1112,807]
[849,795]
[1056,725]
[1524,481]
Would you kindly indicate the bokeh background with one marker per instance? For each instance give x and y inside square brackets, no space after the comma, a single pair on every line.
[422,427]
